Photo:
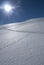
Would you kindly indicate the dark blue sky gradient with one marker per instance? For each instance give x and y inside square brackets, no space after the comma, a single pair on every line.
[28,9]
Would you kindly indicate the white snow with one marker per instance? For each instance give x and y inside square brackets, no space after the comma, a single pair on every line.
[22,43]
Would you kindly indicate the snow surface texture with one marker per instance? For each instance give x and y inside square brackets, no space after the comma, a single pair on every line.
[22,43]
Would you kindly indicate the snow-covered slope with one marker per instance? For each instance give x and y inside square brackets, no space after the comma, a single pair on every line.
[22,43]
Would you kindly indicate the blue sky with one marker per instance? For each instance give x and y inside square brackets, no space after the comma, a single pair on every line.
[27,9]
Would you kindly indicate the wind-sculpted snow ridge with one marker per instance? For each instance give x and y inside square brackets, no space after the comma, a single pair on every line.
[22,43]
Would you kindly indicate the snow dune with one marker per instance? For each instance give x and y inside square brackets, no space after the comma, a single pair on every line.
[22,43]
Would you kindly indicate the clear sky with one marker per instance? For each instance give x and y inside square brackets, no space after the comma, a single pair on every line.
[26,9]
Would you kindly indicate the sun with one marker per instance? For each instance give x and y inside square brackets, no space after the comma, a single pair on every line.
[8,8]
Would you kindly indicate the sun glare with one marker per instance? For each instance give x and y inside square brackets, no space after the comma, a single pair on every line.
[7,8]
